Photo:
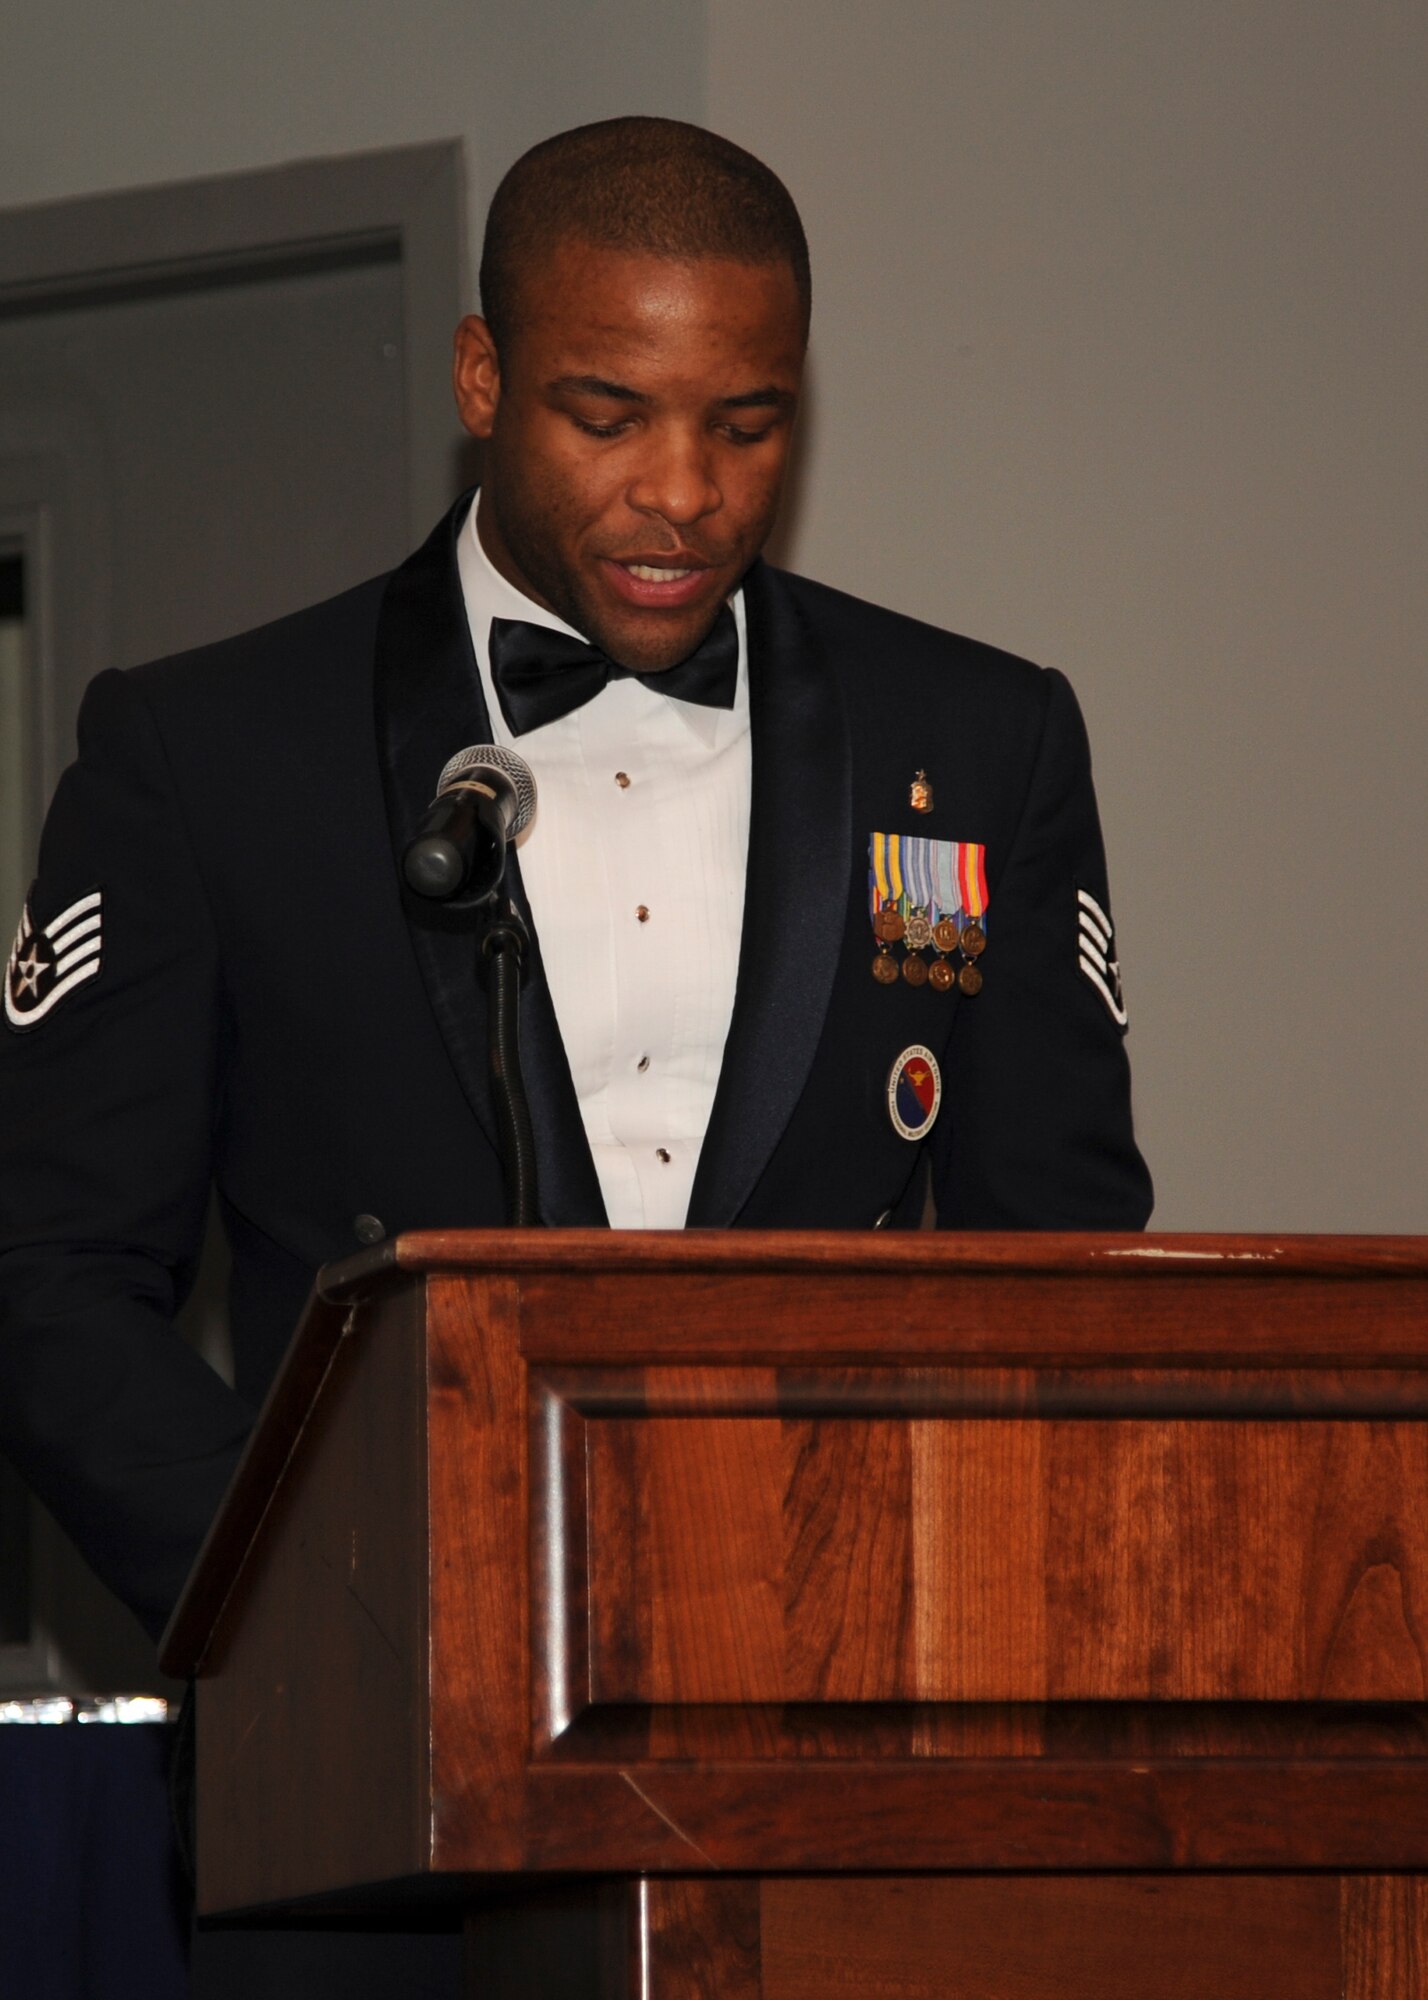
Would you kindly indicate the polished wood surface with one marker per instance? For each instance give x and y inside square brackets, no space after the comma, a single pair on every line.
[1067,1937]
[856,1558]
[683,1557]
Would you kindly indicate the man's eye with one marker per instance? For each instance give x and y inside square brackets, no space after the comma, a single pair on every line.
[737,436]
[597,430]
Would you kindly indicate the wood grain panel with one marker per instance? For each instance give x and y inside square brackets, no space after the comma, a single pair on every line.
[846,1558]
[1384,1922]
[479,1550]
[1002,1562]
[650,1318]
[697,1940]
[1086,1734]
[1127,1938]
[1011,1813]
[979,1562]
[926,1390]
[686,1548]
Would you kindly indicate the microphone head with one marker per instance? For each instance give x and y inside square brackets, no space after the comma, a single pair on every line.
[470,763]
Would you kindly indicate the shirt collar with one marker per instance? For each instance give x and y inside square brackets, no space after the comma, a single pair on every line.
[490,595]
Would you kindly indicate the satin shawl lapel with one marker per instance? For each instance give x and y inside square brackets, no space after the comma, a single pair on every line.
[429,705]
[795,899]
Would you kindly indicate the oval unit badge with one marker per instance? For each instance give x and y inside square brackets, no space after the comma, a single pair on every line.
[914,1092]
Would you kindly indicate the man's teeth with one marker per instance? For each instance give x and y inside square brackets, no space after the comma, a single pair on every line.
[647,573]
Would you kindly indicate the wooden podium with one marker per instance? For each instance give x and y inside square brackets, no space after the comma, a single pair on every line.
[799,1615]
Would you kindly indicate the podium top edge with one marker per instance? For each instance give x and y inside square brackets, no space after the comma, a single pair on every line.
[1009,1253]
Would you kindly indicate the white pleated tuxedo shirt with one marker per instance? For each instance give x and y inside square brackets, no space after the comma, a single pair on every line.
[633,867]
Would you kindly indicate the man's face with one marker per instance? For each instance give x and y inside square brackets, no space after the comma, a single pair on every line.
[638,431]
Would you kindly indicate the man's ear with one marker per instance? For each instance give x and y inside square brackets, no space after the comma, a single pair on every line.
[476,375]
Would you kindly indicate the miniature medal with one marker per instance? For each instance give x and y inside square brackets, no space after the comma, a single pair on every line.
[925,894]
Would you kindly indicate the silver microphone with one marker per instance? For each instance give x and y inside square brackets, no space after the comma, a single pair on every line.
[485,796]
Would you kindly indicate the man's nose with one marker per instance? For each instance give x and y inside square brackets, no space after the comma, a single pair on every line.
[676,480]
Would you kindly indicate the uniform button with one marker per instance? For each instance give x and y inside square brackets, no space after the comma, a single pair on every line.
[622,779]
[643,913]
[662,1156]
[643,1064]
[367,1229]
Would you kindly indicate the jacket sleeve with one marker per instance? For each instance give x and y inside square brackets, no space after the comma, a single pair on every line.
[1036,1131]
[109,1097]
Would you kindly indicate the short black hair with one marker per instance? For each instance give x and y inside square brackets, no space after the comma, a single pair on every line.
[641,184]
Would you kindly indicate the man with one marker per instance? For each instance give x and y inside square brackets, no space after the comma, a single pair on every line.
[818,894]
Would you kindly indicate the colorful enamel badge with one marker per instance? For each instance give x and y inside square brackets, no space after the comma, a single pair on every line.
[914,1092]
[45,965]
[928,895]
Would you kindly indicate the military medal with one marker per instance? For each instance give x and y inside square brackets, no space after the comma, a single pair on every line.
[914,1092]
[927,893]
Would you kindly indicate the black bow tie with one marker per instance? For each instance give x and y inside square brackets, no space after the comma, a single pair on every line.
[541,675]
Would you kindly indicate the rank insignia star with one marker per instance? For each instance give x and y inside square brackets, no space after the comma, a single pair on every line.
[47,965]
[28,970]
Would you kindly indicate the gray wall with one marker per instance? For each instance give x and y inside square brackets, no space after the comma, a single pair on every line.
[1118,363]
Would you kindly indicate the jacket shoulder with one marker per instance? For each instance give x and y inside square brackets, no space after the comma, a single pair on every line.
[305,654]
[872,646]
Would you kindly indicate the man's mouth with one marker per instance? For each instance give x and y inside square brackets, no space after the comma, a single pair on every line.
[656,572]
[657,584]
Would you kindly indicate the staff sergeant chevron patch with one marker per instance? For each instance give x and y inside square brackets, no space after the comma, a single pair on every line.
[1096,954]
[46,965]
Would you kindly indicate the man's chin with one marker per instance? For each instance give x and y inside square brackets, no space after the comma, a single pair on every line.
[647,647]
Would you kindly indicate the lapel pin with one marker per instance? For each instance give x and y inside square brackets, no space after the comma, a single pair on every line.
[920,793]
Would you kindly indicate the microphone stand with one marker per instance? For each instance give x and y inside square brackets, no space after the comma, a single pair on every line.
[503,950]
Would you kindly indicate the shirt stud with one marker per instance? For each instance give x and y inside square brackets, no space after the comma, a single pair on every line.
[643,913]
[622,779]
[662,1155]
